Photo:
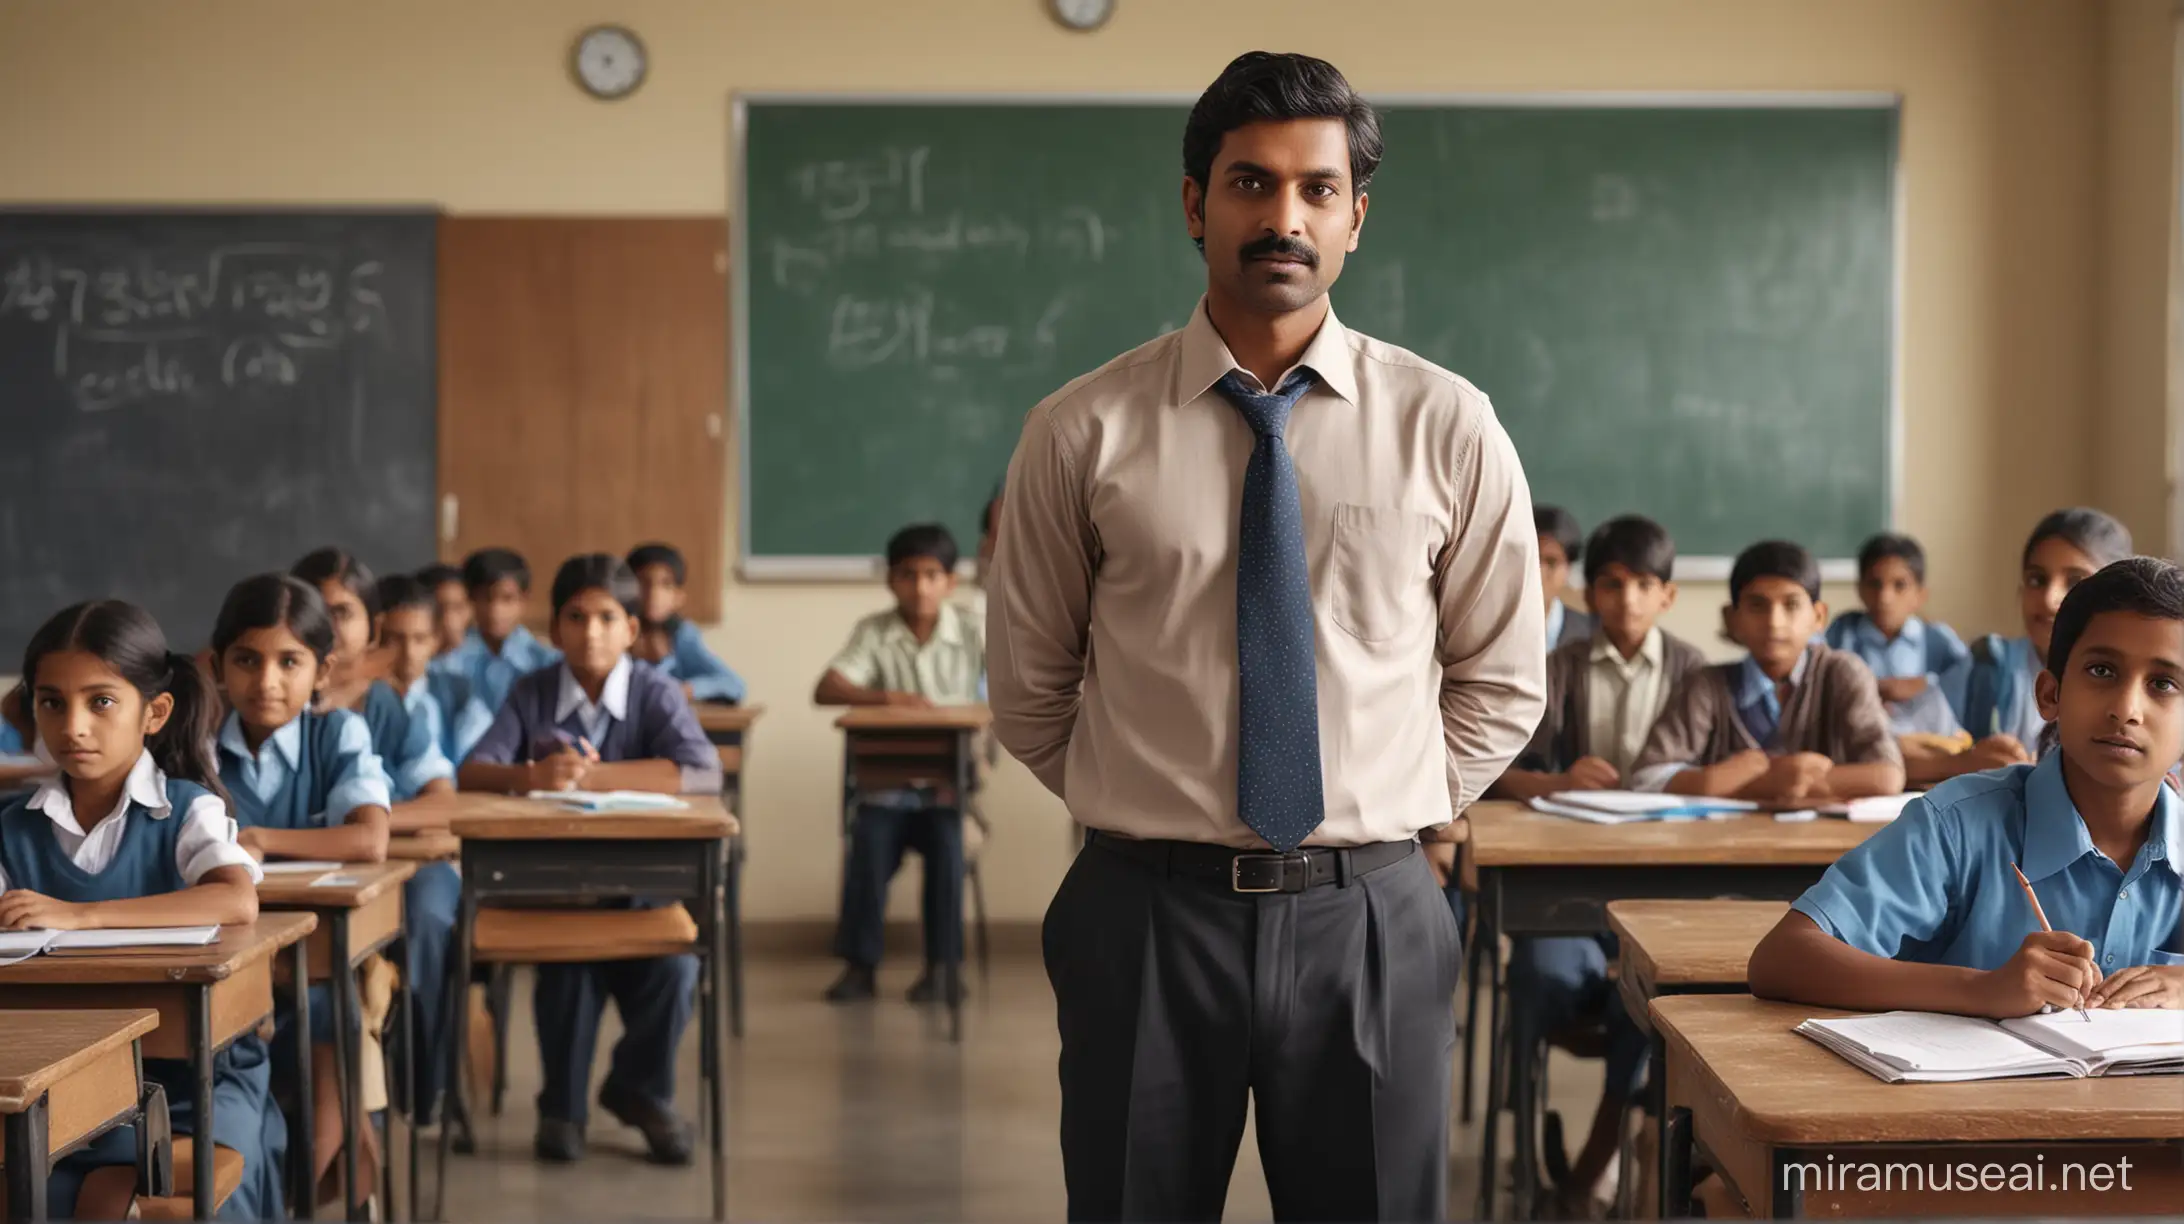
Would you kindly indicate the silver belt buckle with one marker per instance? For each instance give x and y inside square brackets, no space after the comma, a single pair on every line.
[1236,871]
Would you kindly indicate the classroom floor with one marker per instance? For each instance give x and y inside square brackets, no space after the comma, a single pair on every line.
[864,1113]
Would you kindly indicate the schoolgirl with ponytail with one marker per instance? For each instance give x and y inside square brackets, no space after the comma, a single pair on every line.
[134,831]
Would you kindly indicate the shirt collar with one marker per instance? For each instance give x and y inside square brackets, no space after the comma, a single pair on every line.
[288,741]
[1913,635]
[2056,836]
[146,786]
[613,696]
[1755,685]
[1649,651]
[947,628]
[1206,357]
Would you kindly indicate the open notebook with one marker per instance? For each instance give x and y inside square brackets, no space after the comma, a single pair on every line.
[22,945]
[612,801]
[1924,1048]
[1628,807]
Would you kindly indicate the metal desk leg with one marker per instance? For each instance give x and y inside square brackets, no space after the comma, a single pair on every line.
[201,1189]
[734,907]
[387,1081]
[1676,1138]
[458,1035]
[711,966]
[27,1158]
[1490,1117]
[1788,1200]
[300,1156]
[410,1064]
[1659,1092]
[951,965]
[341,983]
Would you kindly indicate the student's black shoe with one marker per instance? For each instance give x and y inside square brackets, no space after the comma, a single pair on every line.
[927,988]
[669,1139]
[854,986]
[559,1141]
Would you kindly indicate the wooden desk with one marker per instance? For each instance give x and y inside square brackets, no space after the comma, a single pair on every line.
[1687,947]
[66,1077]
[437,846]
[521,850]
[205,998]
[899,748]
[355,921]
[729,729]
[1552,875]
[1779,1116]
[435,813]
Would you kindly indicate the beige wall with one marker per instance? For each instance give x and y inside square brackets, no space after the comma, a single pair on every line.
[2027,234]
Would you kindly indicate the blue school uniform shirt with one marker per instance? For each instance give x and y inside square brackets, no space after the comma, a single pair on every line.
[1992,690]
[641,715]
[692,663]
[491,675]
[310,774]
[1923,648]
[454,718]
[1935,887]
[408,747]
[11,740]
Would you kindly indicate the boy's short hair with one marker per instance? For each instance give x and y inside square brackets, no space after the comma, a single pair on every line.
[1775,559]
[923,540]
[660,554]
[2147,586]
[2091,532]
[595,572]
[439,574]
[1891,544]
[487,566]
[1561,526]
[398,591]
[1634,542]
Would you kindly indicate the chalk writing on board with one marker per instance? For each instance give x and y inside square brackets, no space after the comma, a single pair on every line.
[866,332]
[152,327]
[802,261]
[844,190]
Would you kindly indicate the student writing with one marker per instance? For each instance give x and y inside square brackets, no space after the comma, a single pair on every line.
[1794,721]
[1928,915]
[600,720]
[922,652]
[667,641]
[134,831]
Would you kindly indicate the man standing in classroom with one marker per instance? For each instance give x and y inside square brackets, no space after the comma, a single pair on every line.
[1265,605]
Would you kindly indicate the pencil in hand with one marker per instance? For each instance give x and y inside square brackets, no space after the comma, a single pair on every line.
[2041,914]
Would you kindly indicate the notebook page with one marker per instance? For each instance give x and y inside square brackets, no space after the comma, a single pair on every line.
[137,937]
[2102,1037]
[18,946]
[1925,1042]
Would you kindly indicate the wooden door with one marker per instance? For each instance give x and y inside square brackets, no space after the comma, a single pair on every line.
[583,390]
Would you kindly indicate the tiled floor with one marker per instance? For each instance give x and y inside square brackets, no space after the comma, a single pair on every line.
[865,1113]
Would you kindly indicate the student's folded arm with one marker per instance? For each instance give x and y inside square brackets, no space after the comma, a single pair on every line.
[680,760]
[361,837]
[1865,778]
[1525,784]
[1872,763]
[1492,642]
[835,688]
[1678,738]
[492,765]
[220,878]
[708,677]
[1039,600]
[1835,947]
[418,766]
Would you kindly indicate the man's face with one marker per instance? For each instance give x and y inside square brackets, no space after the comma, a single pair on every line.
[1278,214]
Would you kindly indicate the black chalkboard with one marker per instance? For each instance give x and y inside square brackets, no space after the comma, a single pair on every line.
[187,398]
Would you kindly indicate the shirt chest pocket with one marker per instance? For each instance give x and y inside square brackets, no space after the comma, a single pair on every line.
[1380,571]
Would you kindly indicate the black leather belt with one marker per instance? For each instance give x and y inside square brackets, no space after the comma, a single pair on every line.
[1258,871]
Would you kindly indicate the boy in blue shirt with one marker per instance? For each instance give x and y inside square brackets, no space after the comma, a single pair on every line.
[438,700]
[450,602]
[1927,915]
[671,644]
[1561,545]
[497,649]
[1908,655]
[600,720]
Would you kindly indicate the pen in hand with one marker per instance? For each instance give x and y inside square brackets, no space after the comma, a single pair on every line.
[2041,914]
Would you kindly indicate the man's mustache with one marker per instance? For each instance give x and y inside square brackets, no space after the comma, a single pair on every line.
[1284,247]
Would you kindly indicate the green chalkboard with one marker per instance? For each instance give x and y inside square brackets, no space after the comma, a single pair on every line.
[1686,311]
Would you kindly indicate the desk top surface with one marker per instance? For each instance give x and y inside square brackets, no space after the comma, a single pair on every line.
[1784,1089]
[237,948]
[1691,943]
[716,718]
[470,814]
[1511,835]
[38,1049]
[905,718]
[373,880]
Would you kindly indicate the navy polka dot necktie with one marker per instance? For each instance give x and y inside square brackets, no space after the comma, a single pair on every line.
[1277,745]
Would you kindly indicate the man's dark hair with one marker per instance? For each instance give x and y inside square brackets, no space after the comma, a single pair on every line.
[660,554]
[1889,544]
[1634,542]
[595,572]
[2088,530]
[2147,586]
[439,574]
[923,540]
[398,591]
[1775,559]
[487,566]
[1263,86]
[1560,525]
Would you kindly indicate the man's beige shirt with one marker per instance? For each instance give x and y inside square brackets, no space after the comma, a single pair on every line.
[1112,605]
